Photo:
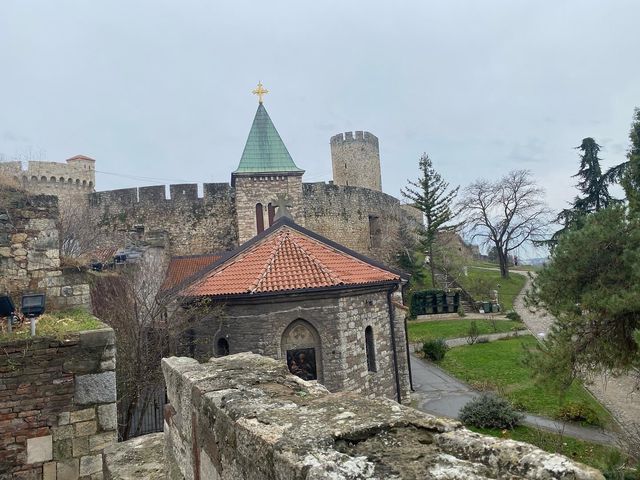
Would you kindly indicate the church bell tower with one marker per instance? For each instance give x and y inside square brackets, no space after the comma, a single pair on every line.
[265,178]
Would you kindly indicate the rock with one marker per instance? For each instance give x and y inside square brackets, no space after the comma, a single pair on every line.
[141,457]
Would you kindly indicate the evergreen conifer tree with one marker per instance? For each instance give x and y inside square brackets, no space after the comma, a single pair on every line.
[431,195]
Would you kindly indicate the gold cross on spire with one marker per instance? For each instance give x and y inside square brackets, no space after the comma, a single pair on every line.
[260,91]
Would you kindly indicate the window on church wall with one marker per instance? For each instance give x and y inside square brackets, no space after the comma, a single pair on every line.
[272,213]
[369,345]
[259,218]
[375,231]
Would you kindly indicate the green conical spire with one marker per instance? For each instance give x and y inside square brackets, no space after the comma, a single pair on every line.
[265,151]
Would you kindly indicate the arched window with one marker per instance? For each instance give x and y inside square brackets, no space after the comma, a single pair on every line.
[222,347]
[272,213]
[259,218]
[370,347]
[53,179]
[61,179]
[84,183]
[43,179]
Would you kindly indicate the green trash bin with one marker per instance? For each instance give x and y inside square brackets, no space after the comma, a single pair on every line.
[486,307]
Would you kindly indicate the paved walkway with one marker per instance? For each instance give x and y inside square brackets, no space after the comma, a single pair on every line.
[458,342]
[439,393]
[620,395]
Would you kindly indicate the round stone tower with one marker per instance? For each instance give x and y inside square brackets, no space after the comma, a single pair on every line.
[355,158]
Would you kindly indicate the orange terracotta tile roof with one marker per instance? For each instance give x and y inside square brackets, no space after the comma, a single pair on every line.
[288,258]
[181,268]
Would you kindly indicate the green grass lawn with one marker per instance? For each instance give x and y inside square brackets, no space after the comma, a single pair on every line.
[507,289]
[498,366]
[421,331]
[56,324]
[592,454]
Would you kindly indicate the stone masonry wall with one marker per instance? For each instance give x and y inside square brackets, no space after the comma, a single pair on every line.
[29,243]
[245,417]
[57,406]
[340,322]
[194,225]
[364,220]
[355,158]
[30,251]
[265,189]
[73,179]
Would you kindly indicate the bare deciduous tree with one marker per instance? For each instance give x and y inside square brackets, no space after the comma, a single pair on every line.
[79,228]
[149,325]
[506,214]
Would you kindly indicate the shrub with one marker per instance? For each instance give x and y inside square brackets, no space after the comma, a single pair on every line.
[490,411]
[515,316]
[461,312]
[473,333]
[435,350]
[578,412]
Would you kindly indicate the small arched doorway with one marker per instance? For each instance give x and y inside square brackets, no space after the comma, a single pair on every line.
[302,350]
[222,347]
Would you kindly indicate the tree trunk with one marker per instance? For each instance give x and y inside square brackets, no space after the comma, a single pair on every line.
[503,258]
[432,266]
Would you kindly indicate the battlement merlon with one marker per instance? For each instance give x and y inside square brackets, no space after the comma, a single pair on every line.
[179,193]
[357,136]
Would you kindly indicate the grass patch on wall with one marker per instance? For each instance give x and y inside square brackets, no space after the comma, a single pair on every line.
[499,366]
[55,324]
[421,331]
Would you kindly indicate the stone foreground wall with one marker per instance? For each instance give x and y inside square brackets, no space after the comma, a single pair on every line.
[245,417]
[57,406]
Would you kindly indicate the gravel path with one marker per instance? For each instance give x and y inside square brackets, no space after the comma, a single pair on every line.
[620,395]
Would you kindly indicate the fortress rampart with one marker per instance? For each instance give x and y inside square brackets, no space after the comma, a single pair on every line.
[74,178]
[362,219]
[194,224]
[365,220]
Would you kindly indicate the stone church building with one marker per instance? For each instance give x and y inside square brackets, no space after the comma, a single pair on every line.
[332,314]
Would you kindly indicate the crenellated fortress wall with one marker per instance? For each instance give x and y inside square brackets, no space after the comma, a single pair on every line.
[365,220]
[75,178]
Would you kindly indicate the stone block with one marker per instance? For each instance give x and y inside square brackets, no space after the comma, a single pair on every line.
[86,428]
[90,464]
[49,471]
[40,449]
[63,418]
[68,469]
[83,415]
[62,432]
[80,446]
[62,449]
[18,237]
[108,416]
[95,388]
[102,440]
[97,338]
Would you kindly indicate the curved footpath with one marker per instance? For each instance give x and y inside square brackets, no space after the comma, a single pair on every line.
[620,395]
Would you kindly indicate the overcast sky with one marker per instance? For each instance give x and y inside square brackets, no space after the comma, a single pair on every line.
[161,89]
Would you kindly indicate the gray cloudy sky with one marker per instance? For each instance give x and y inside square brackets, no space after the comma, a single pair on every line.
[155,88]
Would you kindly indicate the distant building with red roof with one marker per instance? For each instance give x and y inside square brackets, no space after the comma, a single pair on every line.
[331,313]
